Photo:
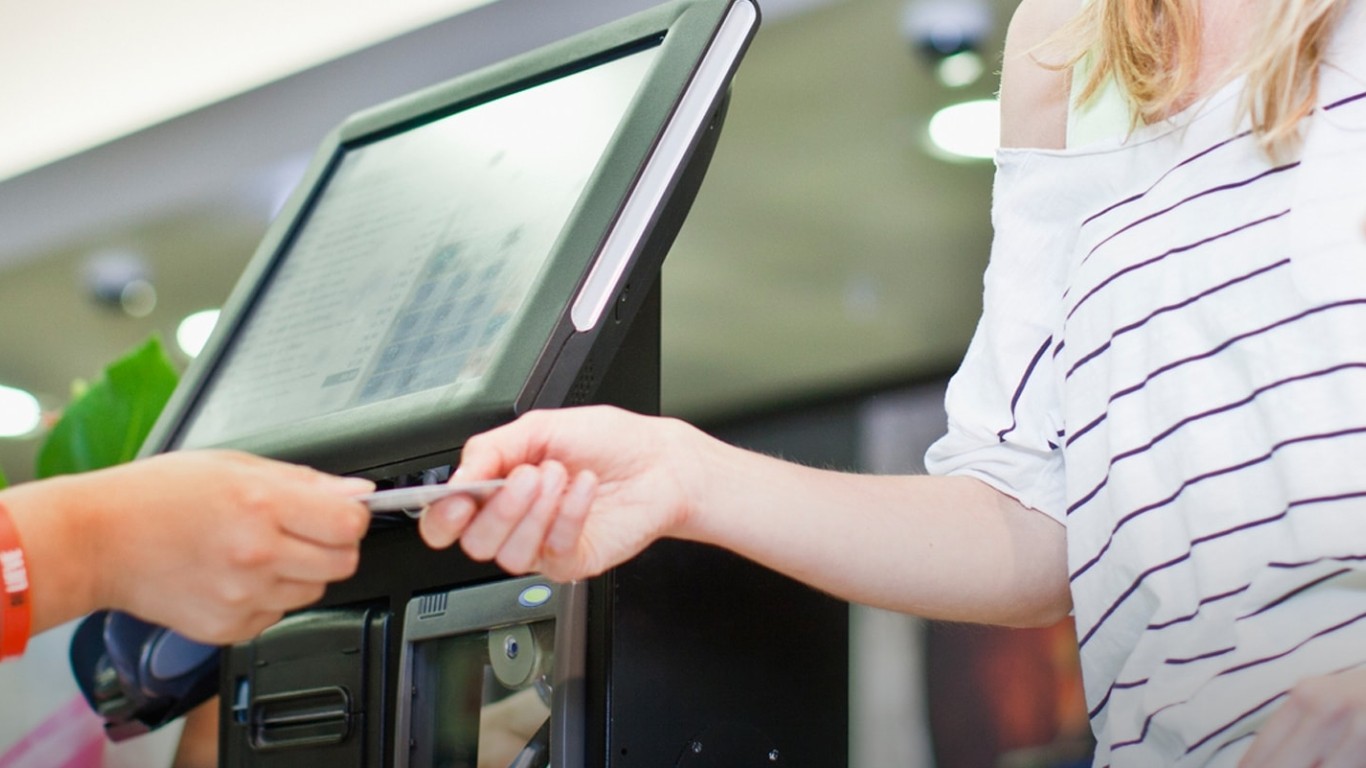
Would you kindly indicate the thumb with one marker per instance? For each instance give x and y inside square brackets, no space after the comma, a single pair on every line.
[492,454]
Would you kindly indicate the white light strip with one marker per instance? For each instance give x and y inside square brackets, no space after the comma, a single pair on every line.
[971,129]
[194,331]
[20,413]
[693,109]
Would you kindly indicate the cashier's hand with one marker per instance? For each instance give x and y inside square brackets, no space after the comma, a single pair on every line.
[218,545]
[587,488]
[1322,722]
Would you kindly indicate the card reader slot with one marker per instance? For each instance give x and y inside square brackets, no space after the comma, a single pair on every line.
[310,718]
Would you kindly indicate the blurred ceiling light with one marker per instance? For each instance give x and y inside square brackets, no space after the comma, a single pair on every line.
[961,69]
[970,129]
[193,332]
[940,28]
[120,278]
[138,298]
[20,413]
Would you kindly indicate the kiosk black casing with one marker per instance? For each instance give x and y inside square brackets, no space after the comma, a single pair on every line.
[689,656]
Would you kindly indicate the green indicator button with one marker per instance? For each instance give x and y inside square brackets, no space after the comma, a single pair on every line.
[534,595]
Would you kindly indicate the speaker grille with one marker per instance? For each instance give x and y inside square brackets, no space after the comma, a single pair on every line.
[429,606]
[584,386]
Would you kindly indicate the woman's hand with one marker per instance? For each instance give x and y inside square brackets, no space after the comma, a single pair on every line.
[631,471]
[215,544]
[1322,723]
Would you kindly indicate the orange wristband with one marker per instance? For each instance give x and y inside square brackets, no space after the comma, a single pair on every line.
[16,611]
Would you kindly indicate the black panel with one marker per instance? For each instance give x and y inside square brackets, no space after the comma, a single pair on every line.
[716,661]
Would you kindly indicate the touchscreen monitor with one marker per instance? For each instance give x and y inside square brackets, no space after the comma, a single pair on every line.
[449,260]
[418,256]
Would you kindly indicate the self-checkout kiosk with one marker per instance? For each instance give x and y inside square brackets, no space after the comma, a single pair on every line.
[454,259]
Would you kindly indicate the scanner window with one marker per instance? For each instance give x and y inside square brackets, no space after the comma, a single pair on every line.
[483,699]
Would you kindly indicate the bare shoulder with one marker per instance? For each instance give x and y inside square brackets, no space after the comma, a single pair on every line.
[1034,95]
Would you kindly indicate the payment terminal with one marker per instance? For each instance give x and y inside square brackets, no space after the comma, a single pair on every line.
[451,260]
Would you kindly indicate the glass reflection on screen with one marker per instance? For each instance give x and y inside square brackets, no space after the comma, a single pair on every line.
[418,255]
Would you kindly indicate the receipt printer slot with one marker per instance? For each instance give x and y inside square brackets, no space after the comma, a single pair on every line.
[301,719]
[310,691]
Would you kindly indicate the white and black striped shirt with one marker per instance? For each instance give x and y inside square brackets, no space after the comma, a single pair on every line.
[1172,362]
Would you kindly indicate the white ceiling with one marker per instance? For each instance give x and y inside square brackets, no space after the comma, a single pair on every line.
[826,250]
[82,73]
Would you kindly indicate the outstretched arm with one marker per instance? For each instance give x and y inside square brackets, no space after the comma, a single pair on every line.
[591,487]
[214,544]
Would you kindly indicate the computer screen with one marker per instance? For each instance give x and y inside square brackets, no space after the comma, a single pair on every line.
[417,256]
[468,252]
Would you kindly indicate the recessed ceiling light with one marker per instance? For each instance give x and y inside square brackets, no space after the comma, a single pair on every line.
[20,413]
[193,332]
[961,69]
[971,129]
[138,298]
[120,278]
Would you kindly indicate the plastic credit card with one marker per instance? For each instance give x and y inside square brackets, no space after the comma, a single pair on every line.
[414,498]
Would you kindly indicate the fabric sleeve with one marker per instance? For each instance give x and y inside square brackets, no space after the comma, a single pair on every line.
[1003,404]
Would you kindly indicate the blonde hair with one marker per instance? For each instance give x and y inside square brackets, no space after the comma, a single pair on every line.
[1151,48]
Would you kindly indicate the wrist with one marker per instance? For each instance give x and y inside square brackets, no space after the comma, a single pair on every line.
[16,603]
[701,464]
[60,546]
[90,538]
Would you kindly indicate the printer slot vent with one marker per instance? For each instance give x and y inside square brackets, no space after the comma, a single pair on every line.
[430,606]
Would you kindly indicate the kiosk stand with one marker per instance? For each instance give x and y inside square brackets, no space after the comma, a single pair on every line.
[691,656]
[451,261]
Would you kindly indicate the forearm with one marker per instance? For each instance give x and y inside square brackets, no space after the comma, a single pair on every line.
[588,488]
[60,542]
[942,548]
[214,544]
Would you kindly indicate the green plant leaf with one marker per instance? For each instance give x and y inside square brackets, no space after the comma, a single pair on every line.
[107,422]
[3,482]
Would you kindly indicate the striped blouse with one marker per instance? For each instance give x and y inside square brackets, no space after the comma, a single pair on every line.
[1171,361]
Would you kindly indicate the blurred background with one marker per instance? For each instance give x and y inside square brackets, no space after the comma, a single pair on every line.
[147,144]
[823,289]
